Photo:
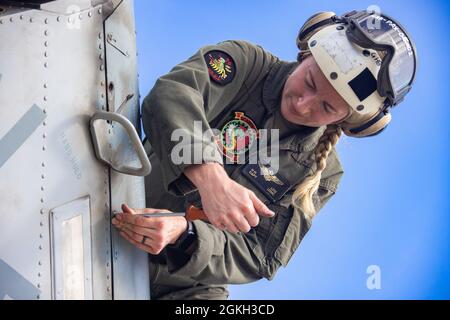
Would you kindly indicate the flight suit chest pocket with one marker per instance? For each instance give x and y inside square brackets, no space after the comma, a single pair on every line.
[270,231]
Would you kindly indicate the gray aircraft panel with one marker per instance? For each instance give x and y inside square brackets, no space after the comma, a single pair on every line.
[130,263]
[24,243]
[54,193]
[56,164]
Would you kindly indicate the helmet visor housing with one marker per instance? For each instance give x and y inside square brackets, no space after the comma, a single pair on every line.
[389,39]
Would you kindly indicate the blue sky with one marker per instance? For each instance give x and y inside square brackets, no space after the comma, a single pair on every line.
[391,209]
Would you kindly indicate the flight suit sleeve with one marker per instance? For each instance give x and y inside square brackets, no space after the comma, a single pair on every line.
[188,98]
[226,258]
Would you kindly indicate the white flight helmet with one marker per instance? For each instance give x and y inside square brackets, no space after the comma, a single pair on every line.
[368,58]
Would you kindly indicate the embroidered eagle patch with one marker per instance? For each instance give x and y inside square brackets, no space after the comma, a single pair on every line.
[221,67]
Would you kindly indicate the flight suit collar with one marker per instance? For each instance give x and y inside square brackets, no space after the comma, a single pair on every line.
[292,136]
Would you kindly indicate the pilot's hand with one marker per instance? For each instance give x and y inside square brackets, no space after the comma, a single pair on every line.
[227,204]
[149,234]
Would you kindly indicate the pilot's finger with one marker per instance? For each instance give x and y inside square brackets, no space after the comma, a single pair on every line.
[260,207]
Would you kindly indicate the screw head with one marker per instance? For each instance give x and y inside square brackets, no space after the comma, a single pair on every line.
[333,76]
[360,107]
[313,43]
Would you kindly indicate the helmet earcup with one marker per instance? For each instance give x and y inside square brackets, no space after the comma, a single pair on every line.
[369,128]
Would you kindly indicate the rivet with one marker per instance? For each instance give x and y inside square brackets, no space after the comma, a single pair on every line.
[100,35]
[43,164]
[70,20]
[45,98]
[46,43]
[11,19]
[58,19]
[100,10]
[339,27]
[107,289]
[46,32]
[38,285]
[21,17]
[1,21]
[46,54]
[102,67]
[31,19]
[80,16]
[38,296]
[333,76]
[46,21]
[100,46]
[102,95]
[366,53]
[42,189]
[44,123]
[46,64]
[44,135]
[41,224]
[40,263]
[102,83]
[39,274]
[42,210]
[43,149]
[41,235]
[100,56]
[42,176]
[89,14]
[42,200]
[45,85]
[360,107]
[313,43]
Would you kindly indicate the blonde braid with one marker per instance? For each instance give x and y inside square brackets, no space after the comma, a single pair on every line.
[302,197]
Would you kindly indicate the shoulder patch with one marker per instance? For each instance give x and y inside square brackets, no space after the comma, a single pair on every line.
[273,185]
[221,66]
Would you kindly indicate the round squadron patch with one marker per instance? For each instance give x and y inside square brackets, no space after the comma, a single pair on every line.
[237,137]
[221,67]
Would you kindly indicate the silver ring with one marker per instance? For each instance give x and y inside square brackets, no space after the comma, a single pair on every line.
[143,239]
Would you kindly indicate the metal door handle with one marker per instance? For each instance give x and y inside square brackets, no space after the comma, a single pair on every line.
[134,138]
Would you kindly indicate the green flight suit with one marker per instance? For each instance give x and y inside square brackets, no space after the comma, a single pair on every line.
[188,93]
